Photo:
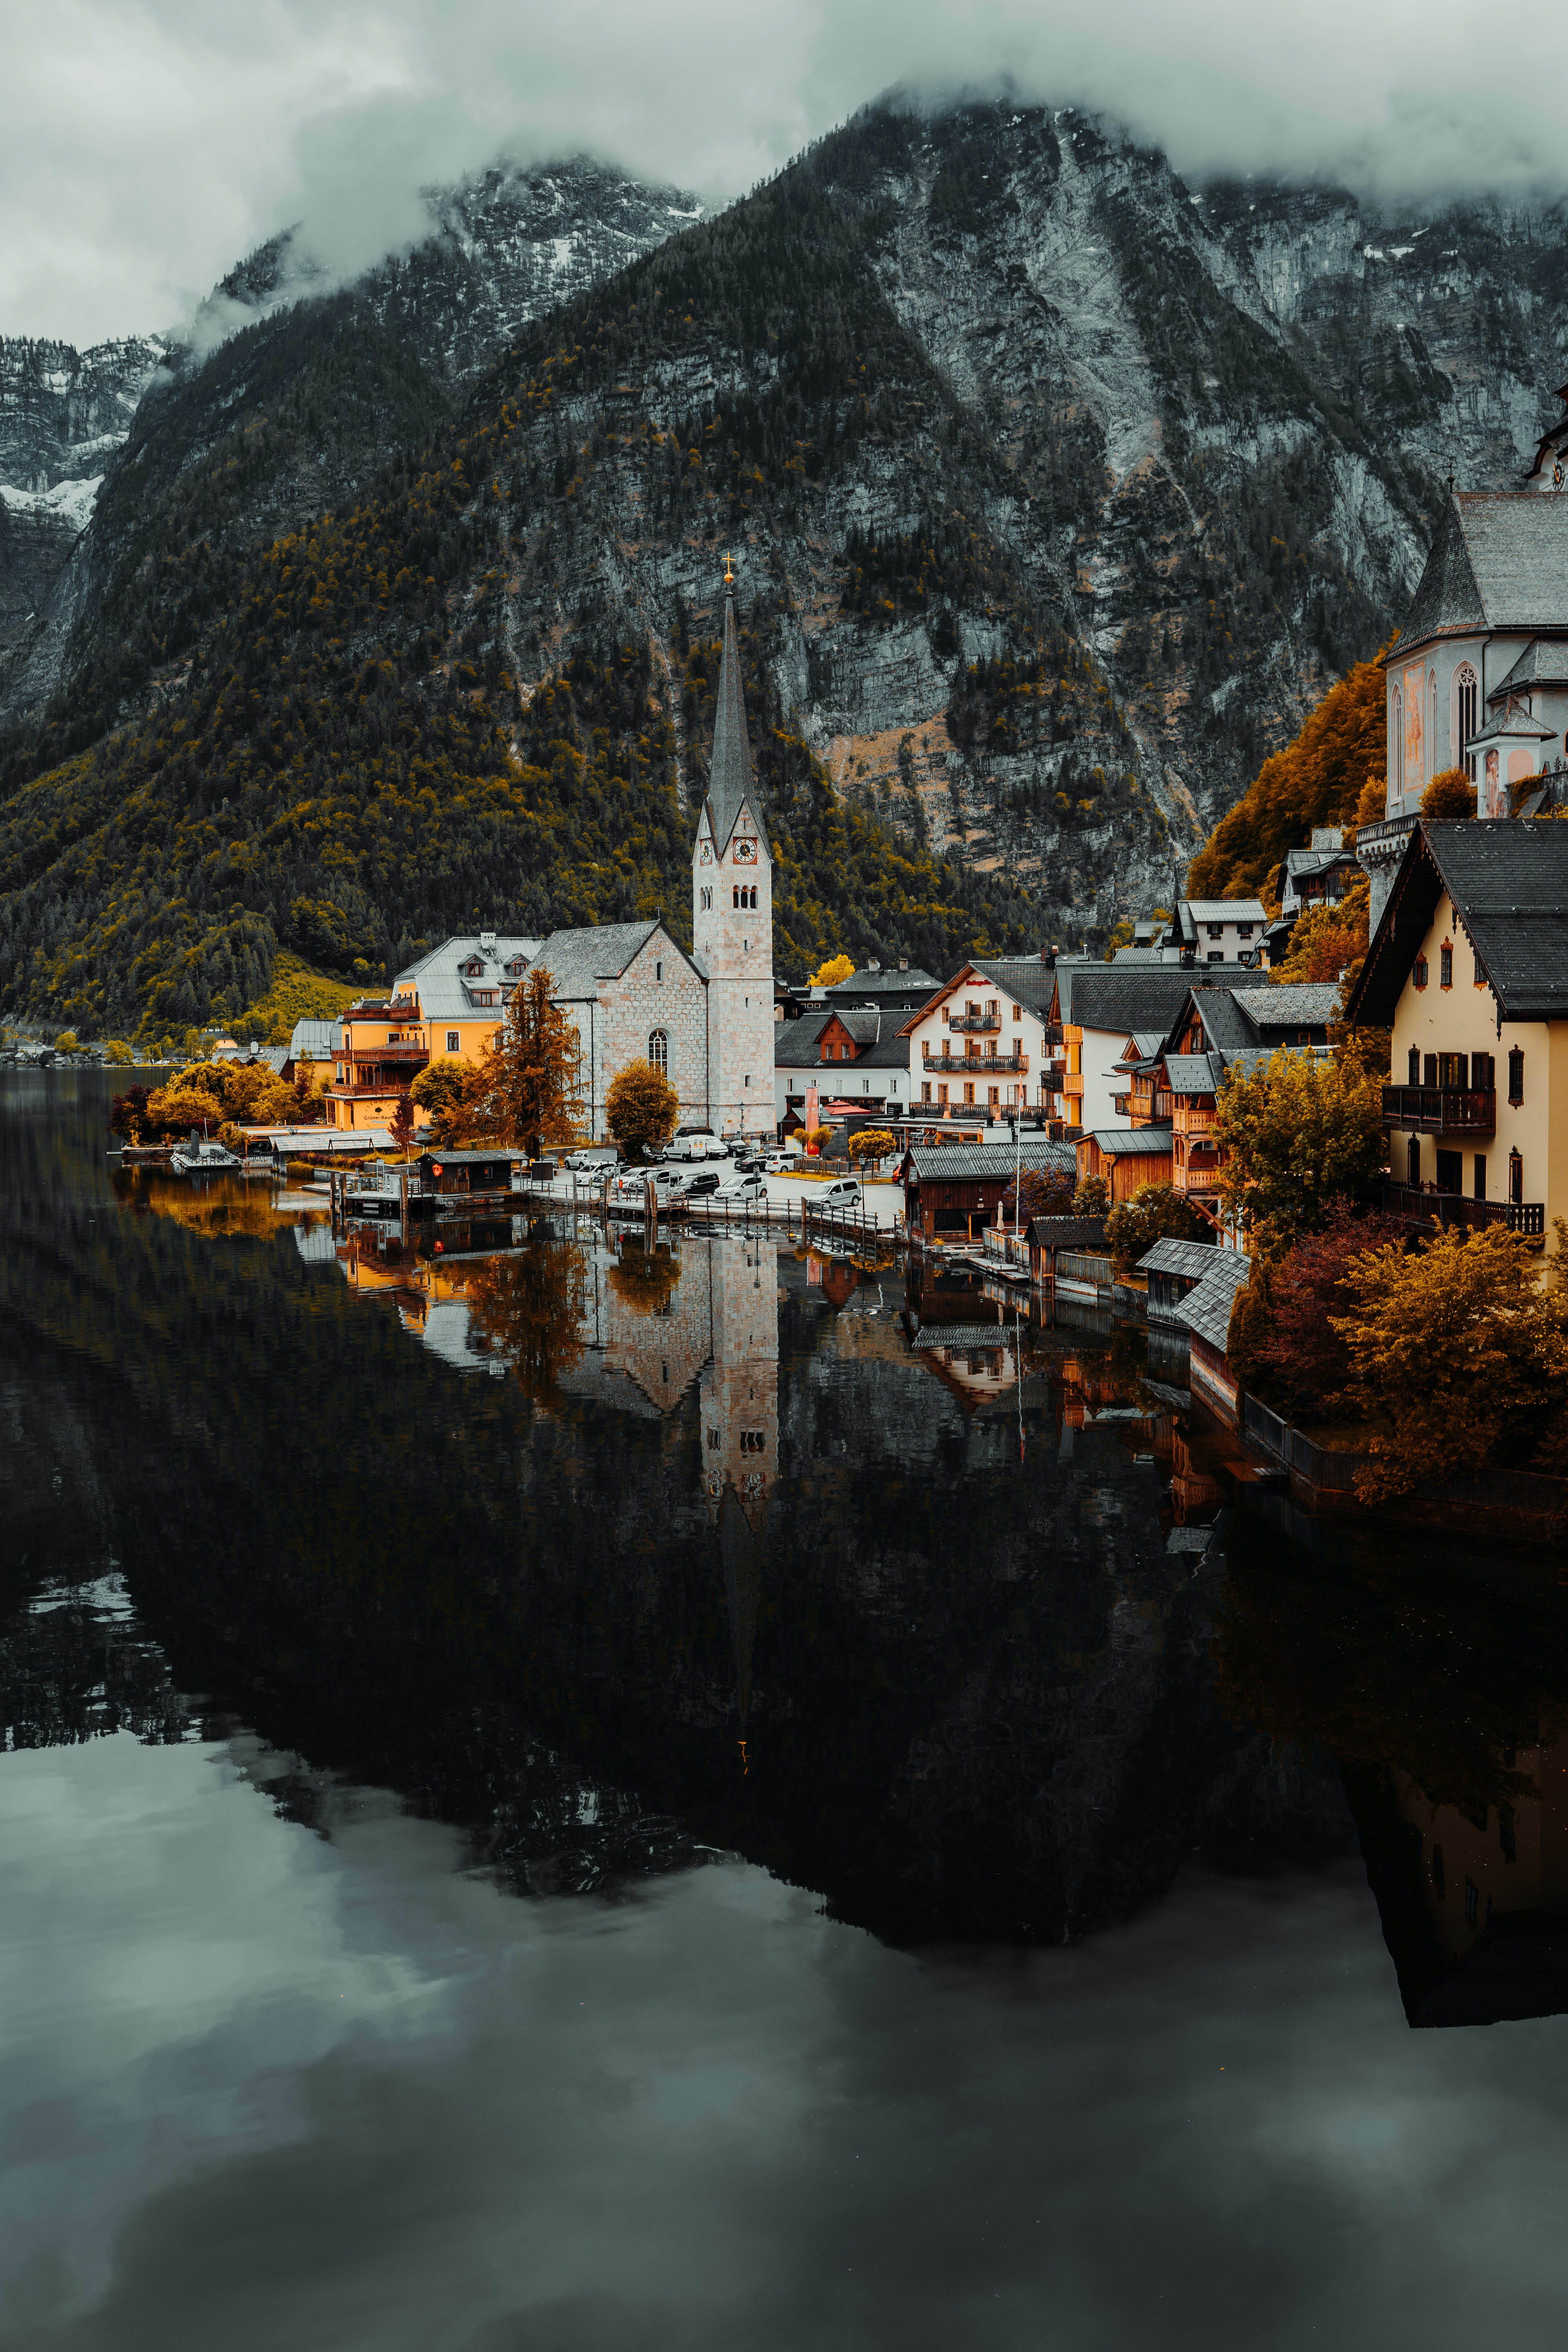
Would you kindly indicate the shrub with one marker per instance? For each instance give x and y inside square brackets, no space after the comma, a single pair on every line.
[1154,1212]
[641,1108]
[1449,795]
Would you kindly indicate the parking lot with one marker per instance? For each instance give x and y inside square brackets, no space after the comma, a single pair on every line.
[882,1200]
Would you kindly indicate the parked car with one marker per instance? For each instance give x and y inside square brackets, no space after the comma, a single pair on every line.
[633,1179]
[595,1156]
[780,1163]
[692,1188]
[751,1165]
[744,1188]
[842,1193]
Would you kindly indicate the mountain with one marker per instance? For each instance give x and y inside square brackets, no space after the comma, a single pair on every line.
[1061,492]
[64,414]
[289,393]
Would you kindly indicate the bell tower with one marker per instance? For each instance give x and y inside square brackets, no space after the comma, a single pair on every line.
[733,911]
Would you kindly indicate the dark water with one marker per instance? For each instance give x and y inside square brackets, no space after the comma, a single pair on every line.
[563,1799]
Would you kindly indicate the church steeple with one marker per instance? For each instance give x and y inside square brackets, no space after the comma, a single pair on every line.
[730,782]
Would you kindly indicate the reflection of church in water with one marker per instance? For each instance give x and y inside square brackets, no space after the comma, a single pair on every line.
[717,1326]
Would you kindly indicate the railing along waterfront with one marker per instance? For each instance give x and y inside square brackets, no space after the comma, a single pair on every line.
[1534,1493]
[1440,1110]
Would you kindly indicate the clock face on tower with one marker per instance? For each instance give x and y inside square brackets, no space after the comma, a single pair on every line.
[745,853]
[707,853]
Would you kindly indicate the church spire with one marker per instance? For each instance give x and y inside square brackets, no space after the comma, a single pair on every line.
[730,777]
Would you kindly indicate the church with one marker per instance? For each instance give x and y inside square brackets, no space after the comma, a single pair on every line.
[632,993]
[1478,677]
[705,1019]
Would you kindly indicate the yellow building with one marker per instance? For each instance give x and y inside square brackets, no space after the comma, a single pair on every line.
[1468,969]
[451,1004]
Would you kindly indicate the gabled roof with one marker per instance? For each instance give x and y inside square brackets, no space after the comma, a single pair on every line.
[933,1163]
[864,1026]
[1143,997]
[1206,1311]
[1289,1005]
[884,984]
[1510,726]
[890,1052]
[1066,1233]
[1544,663]
[797,1043]
[444,993]
[577,961]
[1508,878]
[1226,910]
[1130,1142]
[731,780]
[315,1041]
[1025,979]
[1194,1074]
[1171,1257]
[1500,562]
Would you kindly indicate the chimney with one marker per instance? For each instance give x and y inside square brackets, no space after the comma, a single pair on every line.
[903,963]
[488,941]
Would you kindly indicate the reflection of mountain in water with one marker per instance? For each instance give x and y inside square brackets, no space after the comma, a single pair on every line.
[719,1561]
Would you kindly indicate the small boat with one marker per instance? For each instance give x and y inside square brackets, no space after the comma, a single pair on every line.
[200,1157]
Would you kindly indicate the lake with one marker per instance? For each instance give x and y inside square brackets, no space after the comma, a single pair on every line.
[561,1796]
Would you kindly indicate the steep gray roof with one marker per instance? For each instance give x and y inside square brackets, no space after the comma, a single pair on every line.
[1025,979]
[577,961]
[863,1026]
[1544,663]
[1171,1257]
[1228,910]
[1206,1311]
[444,994]
[1194,1074]
[731,780]
[1508,878]
[315,1041]
[1291,1004]
[890,1052]
[1145,997]
[885,983]
[933,1163]
[1130,1142]
[1226,1024]
[797,1043]
[1066,1233]
[1500,562]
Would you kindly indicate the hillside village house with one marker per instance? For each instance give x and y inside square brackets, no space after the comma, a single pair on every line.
[1098,1007]
[632,993]
[985,1042]
[1220,931]
[812,1052]
[1469,968]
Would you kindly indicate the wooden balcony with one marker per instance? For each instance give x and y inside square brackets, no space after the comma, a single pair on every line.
[976,1065]
[386,1052]
[1527,1217]
[1072,1085]
[1439,1110]
[975,1020]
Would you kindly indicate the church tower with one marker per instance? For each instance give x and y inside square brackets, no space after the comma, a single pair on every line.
[732,913]
[739,1400]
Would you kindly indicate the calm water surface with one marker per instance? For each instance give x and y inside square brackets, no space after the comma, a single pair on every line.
[563,1798]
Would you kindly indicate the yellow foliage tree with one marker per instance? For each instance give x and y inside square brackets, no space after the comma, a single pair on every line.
[1316,780]
[1327,940]
[873,1143]
[1452,1349]
[641,1108]
[214,1094]
[450,1093]
[533,1087]
[1449,795]
[828,975]
[1306,1131]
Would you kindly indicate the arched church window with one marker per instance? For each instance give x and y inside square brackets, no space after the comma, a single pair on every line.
[1398,760]
[1465,703]
[658,1050]
[1431,722]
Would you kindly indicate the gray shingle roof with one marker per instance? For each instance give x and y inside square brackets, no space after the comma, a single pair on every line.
[863,1026]
[1228,910]
[1206,1310]
[1225,1025]
[444,994]
[1508,878]
[890,1052]
[1544,663]
[933,1163]
[1066,1233]
[1130,1142]
[1114,996]
[1500,562]
[1025,979]
[315,1041]
[730,778]
[1171,1257]
[1193,1074]
[577,961]
[796,1044]
[1290,1004]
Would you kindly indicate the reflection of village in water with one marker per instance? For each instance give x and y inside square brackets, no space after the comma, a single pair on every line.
[896,1579]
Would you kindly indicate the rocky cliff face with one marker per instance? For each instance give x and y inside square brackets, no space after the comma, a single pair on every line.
[1064,487]
[298,392]
[64,414]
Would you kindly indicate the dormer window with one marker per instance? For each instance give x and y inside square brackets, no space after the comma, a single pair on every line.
[514,970]
[473,969]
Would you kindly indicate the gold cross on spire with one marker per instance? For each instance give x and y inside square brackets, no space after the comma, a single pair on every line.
[729,570]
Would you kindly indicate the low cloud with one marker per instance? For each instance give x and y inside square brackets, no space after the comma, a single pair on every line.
[150,146]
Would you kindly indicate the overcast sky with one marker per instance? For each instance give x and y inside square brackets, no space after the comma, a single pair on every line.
[148,144]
